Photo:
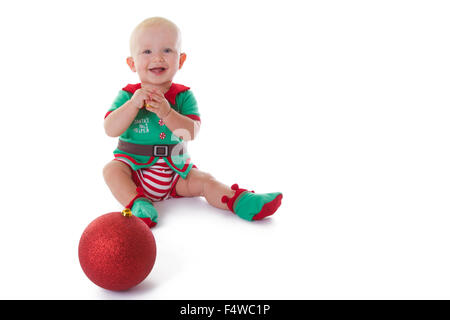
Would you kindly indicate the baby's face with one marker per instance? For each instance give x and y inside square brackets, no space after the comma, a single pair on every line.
[156,54]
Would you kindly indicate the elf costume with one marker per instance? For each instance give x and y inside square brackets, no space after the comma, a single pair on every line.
[158,158]
[148,130]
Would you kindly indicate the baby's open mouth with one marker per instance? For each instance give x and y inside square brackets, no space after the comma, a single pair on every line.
[157,70]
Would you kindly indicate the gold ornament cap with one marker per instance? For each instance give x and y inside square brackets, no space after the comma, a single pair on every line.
[126,212]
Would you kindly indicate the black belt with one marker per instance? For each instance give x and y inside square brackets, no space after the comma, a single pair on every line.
[160,150]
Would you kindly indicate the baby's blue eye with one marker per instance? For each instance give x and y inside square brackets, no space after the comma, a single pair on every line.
[167,50]
[147,51]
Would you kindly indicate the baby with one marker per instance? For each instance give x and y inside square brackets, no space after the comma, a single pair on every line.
[152,120]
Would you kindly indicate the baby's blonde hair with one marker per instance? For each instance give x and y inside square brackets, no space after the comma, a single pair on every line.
[153,21]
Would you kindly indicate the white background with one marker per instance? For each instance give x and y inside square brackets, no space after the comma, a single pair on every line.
[341,105]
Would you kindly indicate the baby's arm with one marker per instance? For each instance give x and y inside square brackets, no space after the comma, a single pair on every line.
[118,121]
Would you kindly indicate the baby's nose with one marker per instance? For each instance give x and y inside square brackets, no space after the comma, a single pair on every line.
[158,58]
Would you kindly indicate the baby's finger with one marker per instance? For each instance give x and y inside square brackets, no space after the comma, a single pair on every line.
[151,108]
[157,93]
[156,98]
[147,104]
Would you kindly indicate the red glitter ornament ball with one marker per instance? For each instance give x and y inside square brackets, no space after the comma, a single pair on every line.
[117,251]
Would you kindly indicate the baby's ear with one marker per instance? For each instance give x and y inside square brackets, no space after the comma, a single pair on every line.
[130,63]
[182,59]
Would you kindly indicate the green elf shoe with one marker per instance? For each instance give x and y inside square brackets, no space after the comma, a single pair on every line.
[250,206]
[143,208]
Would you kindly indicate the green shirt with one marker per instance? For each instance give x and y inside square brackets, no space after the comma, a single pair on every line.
[148,129]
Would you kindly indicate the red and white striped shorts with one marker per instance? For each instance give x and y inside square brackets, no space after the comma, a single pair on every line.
[158,181]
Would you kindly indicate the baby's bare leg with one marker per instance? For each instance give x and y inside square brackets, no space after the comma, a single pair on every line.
[199,183]
[118,178]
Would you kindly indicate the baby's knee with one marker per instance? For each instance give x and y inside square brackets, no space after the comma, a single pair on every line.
[207,178]
[197,181]
[115,167]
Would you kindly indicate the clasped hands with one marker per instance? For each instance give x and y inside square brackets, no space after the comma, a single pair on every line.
[152,100]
